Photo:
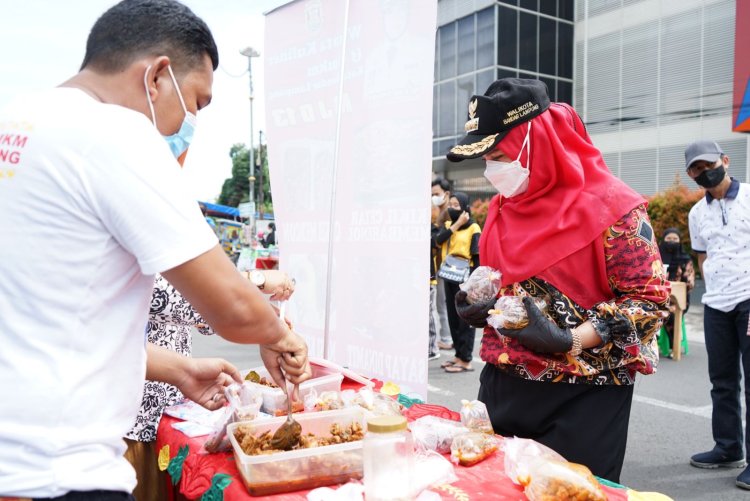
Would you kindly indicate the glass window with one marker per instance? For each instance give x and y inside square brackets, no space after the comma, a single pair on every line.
[465,91]
[509,2]
[503,73]
[447,118]
[547,49]
[565,50]
[486,37]
[437,53]
[484,79]
[435,110]
[465,45]
[507,37]
[565,9]
[530,4]
[448,51]
[527,41]
[551,91]
[548,7]
[565,92]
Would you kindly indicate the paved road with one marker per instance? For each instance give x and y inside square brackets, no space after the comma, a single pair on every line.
[670,418]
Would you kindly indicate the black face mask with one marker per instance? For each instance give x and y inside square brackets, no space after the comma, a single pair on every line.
[454,214]
[711,177]
[671,247]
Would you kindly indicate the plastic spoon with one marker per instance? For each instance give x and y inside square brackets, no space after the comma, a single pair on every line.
[290,431]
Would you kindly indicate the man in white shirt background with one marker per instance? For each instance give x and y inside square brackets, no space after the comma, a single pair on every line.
[720,234]
[92,206]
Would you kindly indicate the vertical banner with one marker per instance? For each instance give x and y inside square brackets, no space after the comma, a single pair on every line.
[349,119]
[741,95]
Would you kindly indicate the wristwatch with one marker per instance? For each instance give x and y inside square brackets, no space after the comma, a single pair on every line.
[258,279]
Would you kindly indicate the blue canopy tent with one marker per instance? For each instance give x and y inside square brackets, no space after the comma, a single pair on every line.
[216,210]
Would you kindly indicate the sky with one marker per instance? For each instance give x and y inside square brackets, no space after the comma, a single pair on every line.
[44,42]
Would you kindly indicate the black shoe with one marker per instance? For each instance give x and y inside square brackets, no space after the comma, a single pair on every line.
[743,480]
[715,459]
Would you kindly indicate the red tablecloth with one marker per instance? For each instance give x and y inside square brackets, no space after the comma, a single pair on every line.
[484,481]
[267,263]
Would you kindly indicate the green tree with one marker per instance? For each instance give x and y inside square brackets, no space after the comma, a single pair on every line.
[235,189]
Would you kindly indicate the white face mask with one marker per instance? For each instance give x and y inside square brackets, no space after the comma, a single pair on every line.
[437,200]
[510,178]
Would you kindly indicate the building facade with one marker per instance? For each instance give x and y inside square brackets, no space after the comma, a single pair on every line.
[647,77]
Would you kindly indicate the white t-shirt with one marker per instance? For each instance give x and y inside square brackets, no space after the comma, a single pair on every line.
[92,205]
[726,269]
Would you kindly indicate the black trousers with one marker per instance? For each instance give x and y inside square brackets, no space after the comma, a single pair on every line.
[461,332]
[586,424]
[92,496]
[728,347]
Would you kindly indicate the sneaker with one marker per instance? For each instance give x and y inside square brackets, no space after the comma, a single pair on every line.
[433,356]
[743,480]
[714,459]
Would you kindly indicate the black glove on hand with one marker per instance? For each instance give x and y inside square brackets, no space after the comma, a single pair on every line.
[541,335]
[473,314]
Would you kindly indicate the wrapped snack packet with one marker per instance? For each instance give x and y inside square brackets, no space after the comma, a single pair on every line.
[471,448]
[510,313]
[326,401]
[520,453]
[435,434]
[482,285]
[475,417]
[552,480]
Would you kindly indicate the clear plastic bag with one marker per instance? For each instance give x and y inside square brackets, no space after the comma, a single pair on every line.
[471,448]
[475,417]
[244,405]
[510,313]
[326,401]
[553,480]
[482,285]
[520,453]
[435,434]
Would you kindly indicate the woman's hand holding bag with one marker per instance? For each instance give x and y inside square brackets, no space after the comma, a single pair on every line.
[473,314]
[541,334]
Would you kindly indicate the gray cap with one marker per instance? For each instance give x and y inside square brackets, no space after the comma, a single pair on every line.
[704,149]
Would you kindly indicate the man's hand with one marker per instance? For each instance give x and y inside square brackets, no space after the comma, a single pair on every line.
[204,379]
[287,360]
[279,284]
[473,314]
[541,335]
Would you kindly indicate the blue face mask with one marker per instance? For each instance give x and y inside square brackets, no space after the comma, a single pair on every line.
[179,141]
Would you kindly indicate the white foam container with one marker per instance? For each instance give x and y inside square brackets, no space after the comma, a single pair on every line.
[302,469]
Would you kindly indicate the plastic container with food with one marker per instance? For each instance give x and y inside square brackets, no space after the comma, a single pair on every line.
[300,469]
[274,398]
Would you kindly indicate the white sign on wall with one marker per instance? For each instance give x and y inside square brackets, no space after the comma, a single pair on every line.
[349,128]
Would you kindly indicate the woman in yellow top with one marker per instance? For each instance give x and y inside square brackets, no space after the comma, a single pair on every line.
[459,238]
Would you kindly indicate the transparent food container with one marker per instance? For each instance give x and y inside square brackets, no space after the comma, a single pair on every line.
[301,469]
[274,399]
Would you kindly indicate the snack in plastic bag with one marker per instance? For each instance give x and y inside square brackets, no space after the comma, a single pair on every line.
[552,480]
[244,405]
[520,453]
[482,285]
[430,468]
[326,401]
[435,434]
[510,313]
[475,417]
[470,448]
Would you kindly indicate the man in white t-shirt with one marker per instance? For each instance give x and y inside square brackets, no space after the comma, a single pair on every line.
[92,205]
[720,234]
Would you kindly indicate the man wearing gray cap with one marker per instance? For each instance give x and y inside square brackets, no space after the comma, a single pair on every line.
[720,234]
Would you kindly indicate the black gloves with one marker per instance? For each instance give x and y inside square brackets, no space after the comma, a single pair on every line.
[473,314]
[541,335]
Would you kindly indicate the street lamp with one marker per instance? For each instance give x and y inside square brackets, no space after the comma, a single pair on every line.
[250,53]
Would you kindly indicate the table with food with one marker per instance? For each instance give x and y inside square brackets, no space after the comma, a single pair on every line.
[353,438]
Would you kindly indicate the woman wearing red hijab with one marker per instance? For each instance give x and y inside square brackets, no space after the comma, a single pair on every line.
[562,227]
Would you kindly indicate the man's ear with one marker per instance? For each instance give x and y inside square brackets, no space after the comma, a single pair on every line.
[157,70]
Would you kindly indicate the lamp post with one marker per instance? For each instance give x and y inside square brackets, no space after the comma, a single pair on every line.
[250,53]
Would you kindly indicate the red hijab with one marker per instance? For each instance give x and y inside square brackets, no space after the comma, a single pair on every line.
[554,230]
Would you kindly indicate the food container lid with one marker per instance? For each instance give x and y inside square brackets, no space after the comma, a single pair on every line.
[386,424]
